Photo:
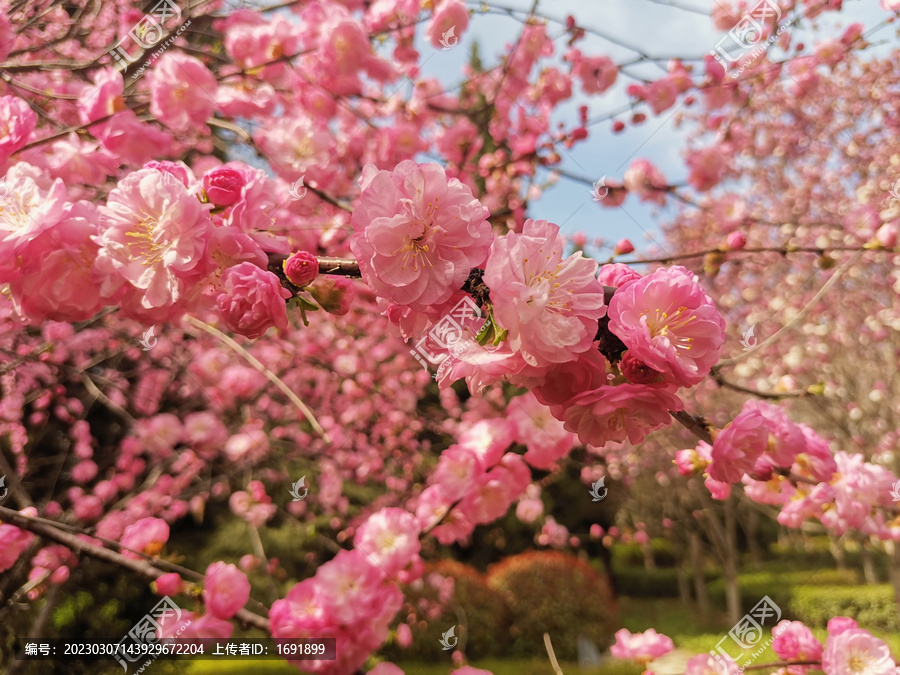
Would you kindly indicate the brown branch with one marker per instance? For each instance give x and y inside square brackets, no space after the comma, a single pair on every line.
[781,664]
[139,567]
[696,424]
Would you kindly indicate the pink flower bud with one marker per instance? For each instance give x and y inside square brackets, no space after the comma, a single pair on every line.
[624,246]
[404,635]
[301,268]
[252,301]
[736,241]
[334,294]
[223,186]
[226,590]
[168,584]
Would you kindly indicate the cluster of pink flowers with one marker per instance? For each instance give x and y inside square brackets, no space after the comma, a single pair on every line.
[353,597]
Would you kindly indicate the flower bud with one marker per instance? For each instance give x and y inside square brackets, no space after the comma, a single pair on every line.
[301,268]
[334,294]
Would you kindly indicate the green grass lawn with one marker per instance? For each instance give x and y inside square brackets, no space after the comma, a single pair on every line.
[690,633]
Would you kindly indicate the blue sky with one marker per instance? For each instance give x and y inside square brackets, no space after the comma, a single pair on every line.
[659,30]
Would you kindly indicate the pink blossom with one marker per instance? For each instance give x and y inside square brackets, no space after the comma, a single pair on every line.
[295,144]
[30,203]
[668,321]
[857,652]
[636,371]
[387,668]
[153,236]
[707,167]
[17,122]
[488,439]
[690,461]
[469,670]
[536,428]
[736,241]
[182,91]
[549,305]
[147,535]
[628,411]
[624,246]
[449,22]
[404,635]
[104,98]
[597,73]
[180,170]
[131,141]
[644,646]
[7,37]
[252,300]
[737,447]
[390,537]
[225,590]
[55,275]
[223,185]
[838,624]
[528,510]
[816,460]
[662,94]
[334,294]
[301,268]
[15,541]
[169,584]
[350,586]
[707,664]
[564,382]
[417,234]
[457,469]
[794,641]
[646,181]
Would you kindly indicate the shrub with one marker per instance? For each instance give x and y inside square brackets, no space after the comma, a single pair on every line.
[632,555]
[555,593]
[873,607]
[779,586]
[483,623]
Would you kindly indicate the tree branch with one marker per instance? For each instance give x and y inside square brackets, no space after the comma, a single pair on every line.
[139,567]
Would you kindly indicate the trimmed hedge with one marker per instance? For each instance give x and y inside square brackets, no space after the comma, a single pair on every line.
[779,586]
[873,607]
[631,555]
[487,617]
[556,593]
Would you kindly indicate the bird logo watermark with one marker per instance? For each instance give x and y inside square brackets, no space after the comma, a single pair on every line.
[595,490]
[895,190]
[895,491]
[447,637]
[600,190]
[449,39]
[148,340]
[748,340]
[298,191]
[295,490]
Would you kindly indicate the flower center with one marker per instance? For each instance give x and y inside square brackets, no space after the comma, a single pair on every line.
[142,241]
[661,323]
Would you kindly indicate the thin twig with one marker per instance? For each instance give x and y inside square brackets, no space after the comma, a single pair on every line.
[272,377]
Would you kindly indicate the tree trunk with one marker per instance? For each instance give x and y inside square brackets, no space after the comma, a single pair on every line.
[751,531]
[895,575]
[869,573]
[699,579]
[649,562]
[838,553]
[684,589]
[730,565]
